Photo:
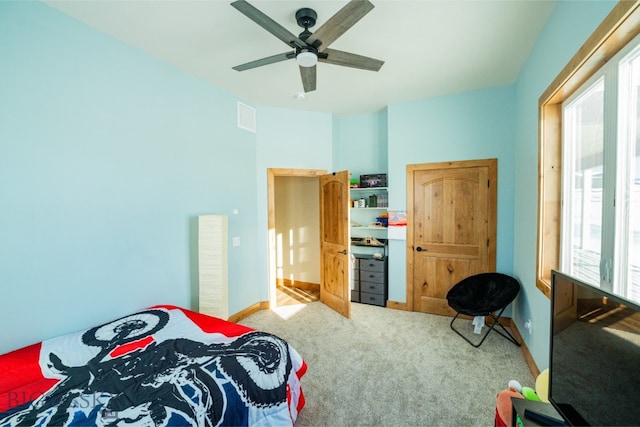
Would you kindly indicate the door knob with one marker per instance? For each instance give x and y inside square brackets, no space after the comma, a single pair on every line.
[419,249]
[343,252]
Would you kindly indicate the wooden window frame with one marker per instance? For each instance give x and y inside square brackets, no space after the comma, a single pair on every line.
[618,28]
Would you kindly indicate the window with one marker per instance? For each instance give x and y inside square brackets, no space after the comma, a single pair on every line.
[582,179]
[615,246]
[600,235]
[626,270]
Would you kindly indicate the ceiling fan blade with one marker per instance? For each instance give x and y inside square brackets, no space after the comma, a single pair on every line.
[308,75]
[346,59]
[268,24]
[265,61]
[339,23]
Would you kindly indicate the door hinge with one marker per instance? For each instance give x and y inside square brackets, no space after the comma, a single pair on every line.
[487,242]
[488,183]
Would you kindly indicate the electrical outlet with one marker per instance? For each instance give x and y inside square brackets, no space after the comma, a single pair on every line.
[527,326]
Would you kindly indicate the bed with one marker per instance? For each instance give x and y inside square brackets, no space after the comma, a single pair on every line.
[162,366]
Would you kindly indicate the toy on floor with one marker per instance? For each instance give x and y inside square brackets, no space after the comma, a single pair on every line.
[515,389]
[530,394]
[503,407]
[542,386]
[515,386]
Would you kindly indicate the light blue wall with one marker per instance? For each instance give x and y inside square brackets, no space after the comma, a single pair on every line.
[467,126]
[570,25]
[361,144]
[107,156]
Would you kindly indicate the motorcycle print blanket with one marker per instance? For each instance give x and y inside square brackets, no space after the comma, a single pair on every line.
[163,366]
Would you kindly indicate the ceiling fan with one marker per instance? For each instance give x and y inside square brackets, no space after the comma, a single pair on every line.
[309,48]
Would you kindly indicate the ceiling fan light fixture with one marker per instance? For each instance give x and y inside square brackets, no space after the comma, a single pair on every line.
[307,58]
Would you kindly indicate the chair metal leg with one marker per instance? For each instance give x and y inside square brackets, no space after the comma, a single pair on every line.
[494,322]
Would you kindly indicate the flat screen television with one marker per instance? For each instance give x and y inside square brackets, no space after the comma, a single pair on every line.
[594,366]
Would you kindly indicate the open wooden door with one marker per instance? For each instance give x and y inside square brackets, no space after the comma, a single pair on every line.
[335,242]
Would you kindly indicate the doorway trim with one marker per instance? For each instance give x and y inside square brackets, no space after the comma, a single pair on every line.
[272,173]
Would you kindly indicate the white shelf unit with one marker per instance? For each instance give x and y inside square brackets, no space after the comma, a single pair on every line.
[363,219]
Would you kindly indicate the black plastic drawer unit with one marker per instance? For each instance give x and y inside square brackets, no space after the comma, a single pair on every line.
[371,277]
[373,264]
[374,299]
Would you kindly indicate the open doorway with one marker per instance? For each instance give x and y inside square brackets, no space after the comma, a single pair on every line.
[294,235]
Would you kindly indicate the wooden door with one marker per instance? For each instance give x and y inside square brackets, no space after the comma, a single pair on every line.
[335,242]
[451,228]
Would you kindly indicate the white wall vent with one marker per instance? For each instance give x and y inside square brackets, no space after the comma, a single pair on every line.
[246,117]
[212,265]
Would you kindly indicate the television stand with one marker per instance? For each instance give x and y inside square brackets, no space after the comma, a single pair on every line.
[528,413]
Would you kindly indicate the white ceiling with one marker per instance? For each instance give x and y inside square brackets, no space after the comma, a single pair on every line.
[430,47]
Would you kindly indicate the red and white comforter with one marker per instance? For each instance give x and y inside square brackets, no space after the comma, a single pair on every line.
[159,367]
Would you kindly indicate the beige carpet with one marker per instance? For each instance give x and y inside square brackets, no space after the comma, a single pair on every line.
[393,368]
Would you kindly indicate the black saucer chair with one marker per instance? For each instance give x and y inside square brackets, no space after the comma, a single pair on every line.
[484,294]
